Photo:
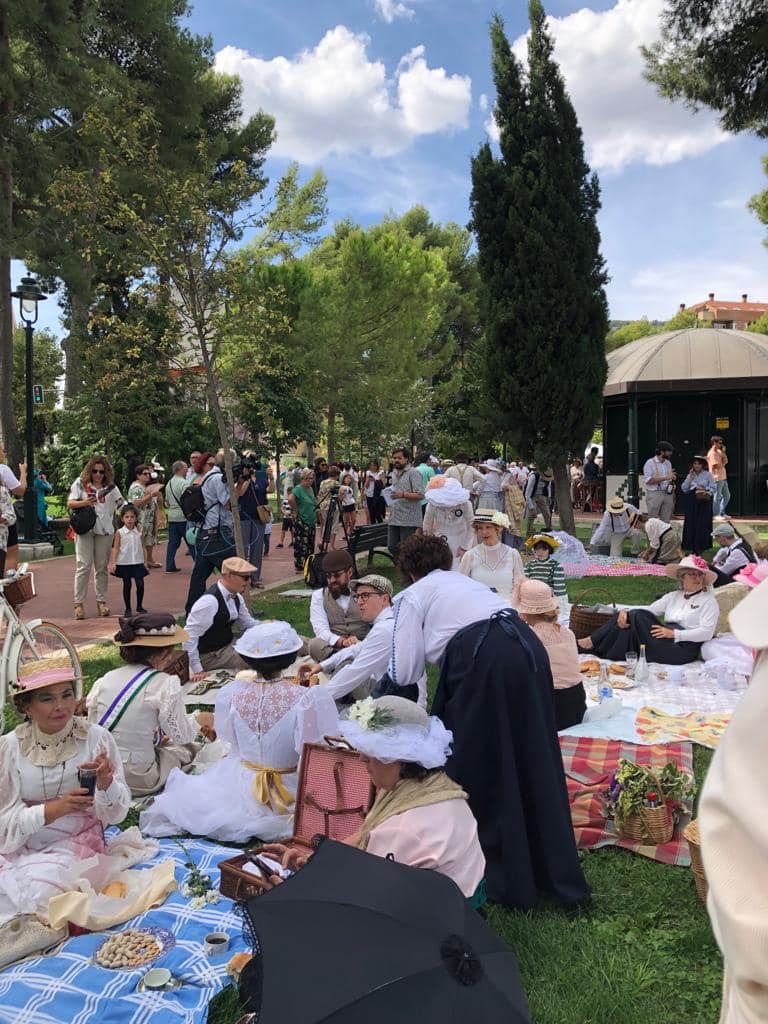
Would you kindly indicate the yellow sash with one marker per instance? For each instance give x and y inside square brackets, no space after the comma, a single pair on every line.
[268,787]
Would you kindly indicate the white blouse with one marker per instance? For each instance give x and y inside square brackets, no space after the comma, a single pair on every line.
[22,783]
[159,705]
[696,615]
[496,565]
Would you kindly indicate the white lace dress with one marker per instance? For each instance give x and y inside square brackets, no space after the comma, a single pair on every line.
[266,725]
[496,565]
[38,861]
[155,734]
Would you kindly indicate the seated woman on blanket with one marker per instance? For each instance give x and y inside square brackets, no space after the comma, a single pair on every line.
[538,606]
[266,719]
[420,816]
[143,707]
[690,619]
[51,828]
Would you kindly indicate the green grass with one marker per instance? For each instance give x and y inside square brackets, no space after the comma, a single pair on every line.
[644,952]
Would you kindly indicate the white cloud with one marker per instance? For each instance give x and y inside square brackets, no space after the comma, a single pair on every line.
[483,102]
[731,204]
[335,99]
[391,9]
[623,118]
[658,289]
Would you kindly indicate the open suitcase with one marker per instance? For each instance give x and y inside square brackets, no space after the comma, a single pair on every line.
[333,796]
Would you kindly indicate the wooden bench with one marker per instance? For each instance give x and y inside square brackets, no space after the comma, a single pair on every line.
[372,539]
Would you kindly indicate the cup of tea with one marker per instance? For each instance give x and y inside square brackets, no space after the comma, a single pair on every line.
[216,943]
[157,978]
[86,777]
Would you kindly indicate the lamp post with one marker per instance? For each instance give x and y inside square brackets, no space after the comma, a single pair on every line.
[29,295]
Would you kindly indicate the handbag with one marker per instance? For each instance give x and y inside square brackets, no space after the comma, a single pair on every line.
[82,520]
[26,935]
[264,512]
[703,496]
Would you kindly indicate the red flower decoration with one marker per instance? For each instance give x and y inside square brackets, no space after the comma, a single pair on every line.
[699,562]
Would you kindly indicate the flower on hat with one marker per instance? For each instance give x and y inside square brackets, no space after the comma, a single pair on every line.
[368,716]
[699,562]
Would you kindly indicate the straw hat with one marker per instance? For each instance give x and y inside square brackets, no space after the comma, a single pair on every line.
[547,474]
[749,617]
[380,583]
[617,506]
[691,562]
[542,538]
[149,630]
[37,675]
[395,729]
[492,516]
[268,640]
[534,597]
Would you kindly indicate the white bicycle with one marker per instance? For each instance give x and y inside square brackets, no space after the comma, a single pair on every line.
[25,644]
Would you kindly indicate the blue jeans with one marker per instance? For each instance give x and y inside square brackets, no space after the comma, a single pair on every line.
[210,551]
[722,497]
[176,533]
[253,544]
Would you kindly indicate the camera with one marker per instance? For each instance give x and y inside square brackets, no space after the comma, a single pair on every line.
[245,467]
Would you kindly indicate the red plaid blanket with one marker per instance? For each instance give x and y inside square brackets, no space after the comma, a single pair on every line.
[589,763]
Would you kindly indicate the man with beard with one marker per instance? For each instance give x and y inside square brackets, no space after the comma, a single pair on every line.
[335,617]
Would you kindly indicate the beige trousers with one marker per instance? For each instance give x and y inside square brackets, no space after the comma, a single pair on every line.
[91,552]
[225,657]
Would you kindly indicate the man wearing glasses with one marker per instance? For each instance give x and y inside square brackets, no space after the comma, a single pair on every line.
[211,618]
[356,669]
[336,620]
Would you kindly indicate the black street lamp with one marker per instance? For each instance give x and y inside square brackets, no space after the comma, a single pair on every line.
[29,295]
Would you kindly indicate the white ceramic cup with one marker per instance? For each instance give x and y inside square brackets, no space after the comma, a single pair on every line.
[157,977]
[216,943]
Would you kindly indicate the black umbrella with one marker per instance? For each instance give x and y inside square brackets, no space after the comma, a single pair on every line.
[355,938]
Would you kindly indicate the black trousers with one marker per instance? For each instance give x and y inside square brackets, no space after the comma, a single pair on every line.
[610,641]
[570,706]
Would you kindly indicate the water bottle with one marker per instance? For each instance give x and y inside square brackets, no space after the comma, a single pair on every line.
[641,671]
[605,693]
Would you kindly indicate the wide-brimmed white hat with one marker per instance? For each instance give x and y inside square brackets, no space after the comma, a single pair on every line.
[691,562]
[445,492]
[493,465]
[395,729]
[268,640]
[749,617]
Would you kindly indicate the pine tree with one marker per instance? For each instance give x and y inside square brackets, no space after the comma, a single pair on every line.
[534,211]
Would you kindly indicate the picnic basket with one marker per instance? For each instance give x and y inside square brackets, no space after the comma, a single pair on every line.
[333,796]
[583,620]
[652,826]
[691,834]
[19,590]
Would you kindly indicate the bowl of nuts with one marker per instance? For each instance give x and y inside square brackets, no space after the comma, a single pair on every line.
[133,948]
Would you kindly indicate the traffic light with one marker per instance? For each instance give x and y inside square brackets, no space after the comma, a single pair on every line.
[37,394]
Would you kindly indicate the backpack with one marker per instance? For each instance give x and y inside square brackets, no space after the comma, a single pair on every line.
[314,574]
[192,502]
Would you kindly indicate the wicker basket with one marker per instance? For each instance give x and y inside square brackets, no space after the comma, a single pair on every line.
[20,590]
[584,622]
[691,834]
[653,825]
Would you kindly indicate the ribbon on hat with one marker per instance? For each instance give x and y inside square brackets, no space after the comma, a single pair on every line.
[268,787]
[143,625]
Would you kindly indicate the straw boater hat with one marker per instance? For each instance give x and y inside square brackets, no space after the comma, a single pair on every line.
[445,492]
[376,582]
[617,506]
[395,729]
[691,562]
[542,538]
[534,597]
[268,640]
[36,675]
[547,474]
[492,516]
[149,630]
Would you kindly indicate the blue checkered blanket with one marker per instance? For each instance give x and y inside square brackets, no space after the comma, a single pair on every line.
[67,988]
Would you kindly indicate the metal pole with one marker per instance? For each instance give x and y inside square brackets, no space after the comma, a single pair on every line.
[30,497]
[633,494]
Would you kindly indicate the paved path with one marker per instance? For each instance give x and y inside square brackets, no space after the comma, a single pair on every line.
[165,592]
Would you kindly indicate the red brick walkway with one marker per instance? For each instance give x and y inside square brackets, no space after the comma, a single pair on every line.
[165,592]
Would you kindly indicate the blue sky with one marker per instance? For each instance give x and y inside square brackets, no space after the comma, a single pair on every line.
[392,98]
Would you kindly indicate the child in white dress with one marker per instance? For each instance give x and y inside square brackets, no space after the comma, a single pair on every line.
[127,559]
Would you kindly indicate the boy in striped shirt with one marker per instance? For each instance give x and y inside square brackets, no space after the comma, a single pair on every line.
[547,569]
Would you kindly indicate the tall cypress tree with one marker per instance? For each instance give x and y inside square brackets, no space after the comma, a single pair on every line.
[534,210]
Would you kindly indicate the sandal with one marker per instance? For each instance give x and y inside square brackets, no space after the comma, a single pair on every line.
[154,565]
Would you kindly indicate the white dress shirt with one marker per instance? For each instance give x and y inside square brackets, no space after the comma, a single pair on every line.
[429,613]
[201,616]
[611,523]
[729,560]
[655,468]
[318,616]
[366,660]
[697,615]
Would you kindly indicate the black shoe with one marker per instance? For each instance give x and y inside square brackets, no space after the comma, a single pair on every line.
[141,611]
[279,545]
[173,570]
[127,612]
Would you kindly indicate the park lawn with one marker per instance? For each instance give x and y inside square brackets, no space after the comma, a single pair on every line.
[643,954]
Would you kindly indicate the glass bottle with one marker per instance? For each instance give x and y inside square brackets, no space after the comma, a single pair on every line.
[641,671]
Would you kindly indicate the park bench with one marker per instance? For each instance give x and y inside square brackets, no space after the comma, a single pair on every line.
[372,539]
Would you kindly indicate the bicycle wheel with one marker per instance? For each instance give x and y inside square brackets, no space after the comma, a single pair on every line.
[49,648]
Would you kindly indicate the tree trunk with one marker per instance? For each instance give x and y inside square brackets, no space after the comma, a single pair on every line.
[563,495]
[331,433]
[9,428]
[74,345]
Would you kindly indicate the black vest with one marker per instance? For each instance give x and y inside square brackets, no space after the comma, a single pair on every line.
[219,634]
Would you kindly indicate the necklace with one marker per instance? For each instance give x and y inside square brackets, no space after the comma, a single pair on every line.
[58,788]
[484,550]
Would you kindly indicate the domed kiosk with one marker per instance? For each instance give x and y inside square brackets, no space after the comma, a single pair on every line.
[683,387]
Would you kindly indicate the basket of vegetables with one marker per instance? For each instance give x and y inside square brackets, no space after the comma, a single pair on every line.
[646,805]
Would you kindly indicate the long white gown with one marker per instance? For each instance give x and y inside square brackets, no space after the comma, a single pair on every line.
[266,724]
[454,523]
[38,861]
